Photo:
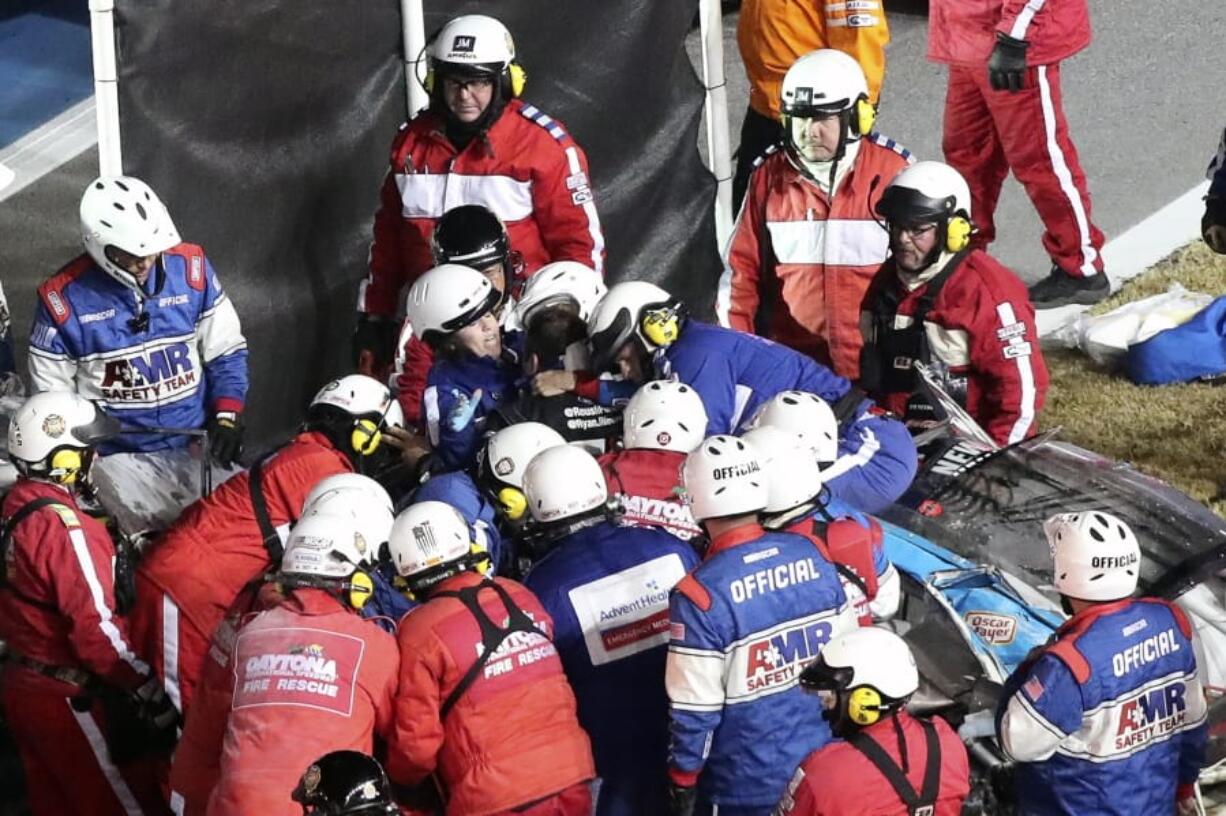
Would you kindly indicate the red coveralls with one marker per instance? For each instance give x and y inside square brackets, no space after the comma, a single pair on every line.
[513,738]
[193,574]
[649,482]
[988,133]
[861,789]
[57,608]
[310,676]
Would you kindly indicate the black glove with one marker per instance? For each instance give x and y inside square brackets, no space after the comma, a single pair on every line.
[1213,224]
[1007,65]
[154,707]
[376,336]
[681,800]
[225,438]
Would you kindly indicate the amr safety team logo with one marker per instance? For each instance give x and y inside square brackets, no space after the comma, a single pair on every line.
[1151,715]
[156,375]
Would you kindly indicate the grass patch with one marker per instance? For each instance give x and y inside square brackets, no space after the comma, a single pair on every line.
[1174,432]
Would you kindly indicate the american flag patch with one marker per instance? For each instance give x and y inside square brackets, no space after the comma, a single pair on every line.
[676,631]
[1033,688]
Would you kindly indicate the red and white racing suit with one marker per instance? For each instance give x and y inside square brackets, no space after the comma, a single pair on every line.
[649,484]
[525,168]
[57,616]
[310,676]
[193,573]
[988,132]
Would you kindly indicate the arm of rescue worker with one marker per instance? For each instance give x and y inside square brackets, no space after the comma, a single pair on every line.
[694,679]
[564,208]
[1194,741]
[452,413]
[82,583]
[417,731]
[223,349]
[802,795]
[710,373]
[1044,708]
[411,381]
[1007,362]
[739,296]
[379,291]
[861,30]
[52,360]
[877,460]
[1020,21]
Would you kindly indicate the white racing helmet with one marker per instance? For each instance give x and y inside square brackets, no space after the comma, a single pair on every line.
[50,435]
[447,298]
[504,459]
[429,536]
[822,83]
[1096,557]
[472,45]
[723,477]
[869,657]
[123,212]
[328,546]
[357,497]
[563,482]
[560,282]
[806,415]
[792,473]
[664,415]
[930,192]
[358,396]
[632,309]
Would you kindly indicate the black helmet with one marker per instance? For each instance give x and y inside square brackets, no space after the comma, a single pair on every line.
[343,783]
[473,236]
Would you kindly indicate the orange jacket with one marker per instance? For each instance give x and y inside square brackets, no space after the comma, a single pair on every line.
[798,265]
[514,736]
[772,34]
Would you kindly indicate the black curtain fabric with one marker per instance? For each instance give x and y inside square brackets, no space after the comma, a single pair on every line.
[265,125]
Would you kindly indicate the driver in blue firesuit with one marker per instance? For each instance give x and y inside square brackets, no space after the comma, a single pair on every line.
[638,327]
[742,626]
[606,588]
[1108,718]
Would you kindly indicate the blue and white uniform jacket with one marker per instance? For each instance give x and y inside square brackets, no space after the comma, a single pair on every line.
[743,626]
[1110,718]
[184,361]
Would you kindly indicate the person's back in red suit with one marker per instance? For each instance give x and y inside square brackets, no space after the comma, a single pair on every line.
[513,737]
[648,483]
[191,576]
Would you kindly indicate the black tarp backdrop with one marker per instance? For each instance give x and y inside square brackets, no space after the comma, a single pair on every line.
[265,125]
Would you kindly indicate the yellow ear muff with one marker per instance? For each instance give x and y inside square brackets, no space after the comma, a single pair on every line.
[958,233]
[519,78]
[661,326]
[66,464]
[866,116]
[428,83]
[513,503]
[864,705]
[361,589]
[365,437]
[481,556]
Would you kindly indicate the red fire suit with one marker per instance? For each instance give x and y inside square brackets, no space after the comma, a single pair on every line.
[981,331]
[861,789]
[57,606]
[526,169]
[310,676]
[988,132]
[649,482]
[513,737]
[798,264]
[191,576]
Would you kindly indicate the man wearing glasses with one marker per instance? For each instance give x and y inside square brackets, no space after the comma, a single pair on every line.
[952,307]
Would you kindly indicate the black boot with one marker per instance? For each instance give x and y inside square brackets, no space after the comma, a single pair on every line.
[1061,289]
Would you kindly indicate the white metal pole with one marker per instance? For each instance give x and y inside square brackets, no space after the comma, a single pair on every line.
[106,86]
[719,151]
[413,23]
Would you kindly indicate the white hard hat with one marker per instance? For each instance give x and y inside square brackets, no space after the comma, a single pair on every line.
[563,482]
[330,546]
[823,81]
[806,415]
[359,396]
[447,298]
[618,318]
[926,192]
[723,477]
[426,535]
[358,497]
[1095,556]
[876,657]
[123,212]
[50,421]
[664,415]
[507,453]
[475,43]
[560,282]
[793,475]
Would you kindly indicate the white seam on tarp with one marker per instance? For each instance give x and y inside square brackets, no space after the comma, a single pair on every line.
[47,147]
